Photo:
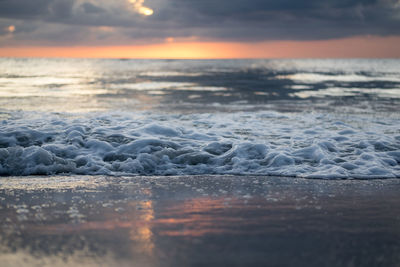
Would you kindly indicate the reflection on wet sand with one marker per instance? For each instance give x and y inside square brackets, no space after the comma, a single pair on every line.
[141,233]
[191,221]
[203,216]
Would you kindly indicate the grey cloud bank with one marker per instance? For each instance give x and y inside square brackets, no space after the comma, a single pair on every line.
[85,22]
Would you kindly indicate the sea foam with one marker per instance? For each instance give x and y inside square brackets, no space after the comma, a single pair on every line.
[257,143]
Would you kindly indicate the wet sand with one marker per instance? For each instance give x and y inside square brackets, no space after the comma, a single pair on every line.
[198,221]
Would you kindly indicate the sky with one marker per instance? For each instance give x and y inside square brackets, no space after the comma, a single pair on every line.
[200,28]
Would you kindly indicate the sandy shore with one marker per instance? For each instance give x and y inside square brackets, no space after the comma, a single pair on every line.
[198,221]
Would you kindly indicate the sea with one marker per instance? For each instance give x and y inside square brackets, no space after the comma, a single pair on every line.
[310,118]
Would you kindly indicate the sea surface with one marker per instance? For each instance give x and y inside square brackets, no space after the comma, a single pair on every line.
[330,119]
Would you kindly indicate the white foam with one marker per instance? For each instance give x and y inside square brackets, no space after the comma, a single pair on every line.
[261,143]
[317,77]
[342,92]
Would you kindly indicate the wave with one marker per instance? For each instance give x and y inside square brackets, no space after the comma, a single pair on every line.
[257,143]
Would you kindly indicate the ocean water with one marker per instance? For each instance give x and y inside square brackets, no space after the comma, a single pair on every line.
[300,118]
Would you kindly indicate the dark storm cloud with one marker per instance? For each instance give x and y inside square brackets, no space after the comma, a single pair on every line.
[39,9]
[235,20]
[293,19]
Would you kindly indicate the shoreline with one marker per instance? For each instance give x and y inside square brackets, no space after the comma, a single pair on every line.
[176,220]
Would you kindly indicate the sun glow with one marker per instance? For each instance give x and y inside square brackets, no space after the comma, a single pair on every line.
[11,28]
[362,47]
[140,8]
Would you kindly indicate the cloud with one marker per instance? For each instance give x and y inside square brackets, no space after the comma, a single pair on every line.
[82,22]
[91,8]
[139,7]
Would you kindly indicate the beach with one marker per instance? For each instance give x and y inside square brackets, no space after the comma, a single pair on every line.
[186,133]
[198,221]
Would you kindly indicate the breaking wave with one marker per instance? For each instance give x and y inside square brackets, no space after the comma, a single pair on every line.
[260,143]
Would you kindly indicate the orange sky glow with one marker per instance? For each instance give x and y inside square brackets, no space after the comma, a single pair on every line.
[355,47]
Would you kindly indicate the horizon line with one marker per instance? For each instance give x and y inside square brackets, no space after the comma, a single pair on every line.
[215,58]
[355,47]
